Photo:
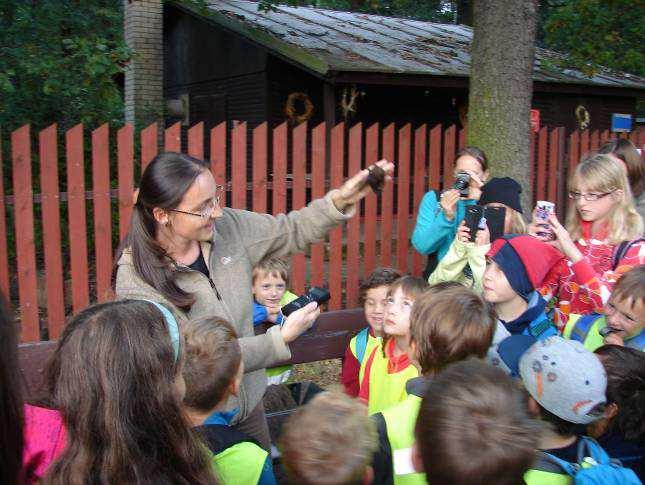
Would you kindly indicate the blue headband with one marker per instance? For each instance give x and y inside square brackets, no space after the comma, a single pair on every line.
[171,325]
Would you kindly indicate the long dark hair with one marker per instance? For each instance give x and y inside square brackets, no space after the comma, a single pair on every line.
[625,369]
[163,184]
[10,399]
[112,376]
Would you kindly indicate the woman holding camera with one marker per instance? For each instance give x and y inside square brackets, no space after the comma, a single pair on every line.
[439,216]
[186,252]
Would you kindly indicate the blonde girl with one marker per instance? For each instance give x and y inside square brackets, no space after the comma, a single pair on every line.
[602,238]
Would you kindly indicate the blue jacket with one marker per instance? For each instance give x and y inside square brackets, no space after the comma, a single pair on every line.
[433,232]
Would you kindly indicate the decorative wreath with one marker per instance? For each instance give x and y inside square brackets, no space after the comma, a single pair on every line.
[582,115]
[290,108]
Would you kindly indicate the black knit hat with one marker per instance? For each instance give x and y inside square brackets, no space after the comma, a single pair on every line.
[503,190]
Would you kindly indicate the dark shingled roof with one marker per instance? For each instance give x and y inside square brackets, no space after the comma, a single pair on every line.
[327,41]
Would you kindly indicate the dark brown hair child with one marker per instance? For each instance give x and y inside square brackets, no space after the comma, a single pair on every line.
[473,428]
[448,324]
[116,379]
[621,431]
[329,442]
[374,299]
[213,371]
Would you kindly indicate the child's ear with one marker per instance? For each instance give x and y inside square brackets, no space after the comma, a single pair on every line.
[368,478]
[417,462]
[534,407]
[611,410]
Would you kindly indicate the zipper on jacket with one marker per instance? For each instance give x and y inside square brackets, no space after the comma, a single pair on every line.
[219,297]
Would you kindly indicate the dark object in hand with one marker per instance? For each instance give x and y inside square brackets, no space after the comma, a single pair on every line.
[462,183]
[376,179]
[319,295]
[607,330]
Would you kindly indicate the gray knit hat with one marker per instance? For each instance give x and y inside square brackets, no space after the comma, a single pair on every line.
[565,378]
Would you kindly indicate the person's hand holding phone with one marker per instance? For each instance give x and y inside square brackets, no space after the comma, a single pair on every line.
[299,322]
[448,202]
[563,240]
[483,235]
[463,232]
[475,187]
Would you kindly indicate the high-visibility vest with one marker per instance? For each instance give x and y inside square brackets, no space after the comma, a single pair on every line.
[400,421]
[361,346]
[386,389]
[586,330]
[235,459]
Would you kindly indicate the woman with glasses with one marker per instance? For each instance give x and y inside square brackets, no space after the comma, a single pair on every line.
[602,238]
[187,252]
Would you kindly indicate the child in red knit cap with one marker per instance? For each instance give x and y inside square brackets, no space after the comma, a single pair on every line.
[516,266]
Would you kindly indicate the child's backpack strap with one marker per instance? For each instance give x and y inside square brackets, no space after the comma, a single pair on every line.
[622,249]
[541,328]
[545,462]
[581,328]
[637,342]
[361,344]
[594,466]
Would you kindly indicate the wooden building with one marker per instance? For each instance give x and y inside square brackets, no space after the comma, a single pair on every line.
[233,62]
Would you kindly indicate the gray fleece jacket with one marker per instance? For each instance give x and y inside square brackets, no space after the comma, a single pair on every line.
[240,240]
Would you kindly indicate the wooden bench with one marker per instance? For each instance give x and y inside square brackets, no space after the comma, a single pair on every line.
[328,339]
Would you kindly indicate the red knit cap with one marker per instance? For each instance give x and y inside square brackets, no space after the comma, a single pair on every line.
[537,257]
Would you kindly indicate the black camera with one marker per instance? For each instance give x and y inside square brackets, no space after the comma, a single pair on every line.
[319,295]
[462,183]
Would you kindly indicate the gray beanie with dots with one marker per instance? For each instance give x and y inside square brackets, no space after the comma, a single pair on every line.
[565,378]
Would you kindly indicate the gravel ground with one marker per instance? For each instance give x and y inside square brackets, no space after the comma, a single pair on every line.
[325,373]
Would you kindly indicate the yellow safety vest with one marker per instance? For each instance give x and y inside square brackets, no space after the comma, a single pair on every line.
[400,421]
[386,389]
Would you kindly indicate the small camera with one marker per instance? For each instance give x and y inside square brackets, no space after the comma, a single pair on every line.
[319,295]
[462,183]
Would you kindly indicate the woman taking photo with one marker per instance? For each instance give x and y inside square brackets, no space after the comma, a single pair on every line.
[186,252]
[440,215]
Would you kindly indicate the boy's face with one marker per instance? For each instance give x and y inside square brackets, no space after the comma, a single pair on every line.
[496,287]
[628,320]
[397,316]
[375,307]
[268,289]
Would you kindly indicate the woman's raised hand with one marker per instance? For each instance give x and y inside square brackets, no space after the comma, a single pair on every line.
[299,322]
[448,202]
[355,188]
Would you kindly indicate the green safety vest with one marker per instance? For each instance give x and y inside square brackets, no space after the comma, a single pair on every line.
[589,335]
[361,346]
[386,389]
[400,421]
[240,464]
[234,458]
[540,477]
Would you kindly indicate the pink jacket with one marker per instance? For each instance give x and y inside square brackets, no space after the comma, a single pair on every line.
[45,439]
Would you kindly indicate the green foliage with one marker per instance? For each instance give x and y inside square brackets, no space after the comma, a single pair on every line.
[597,33]
[60,61]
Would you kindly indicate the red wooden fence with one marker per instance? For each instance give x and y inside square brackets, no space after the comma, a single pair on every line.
[68,276]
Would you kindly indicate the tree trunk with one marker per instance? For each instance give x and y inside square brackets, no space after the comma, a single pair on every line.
[501,87]
[465,12]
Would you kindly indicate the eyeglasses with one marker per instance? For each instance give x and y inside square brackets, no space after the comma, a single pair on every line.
[208,209]
[589,196]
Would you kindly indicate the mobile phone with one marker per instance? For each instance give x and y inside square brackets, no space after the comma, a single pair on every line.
[495,217]
[474,213]
[319,295]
